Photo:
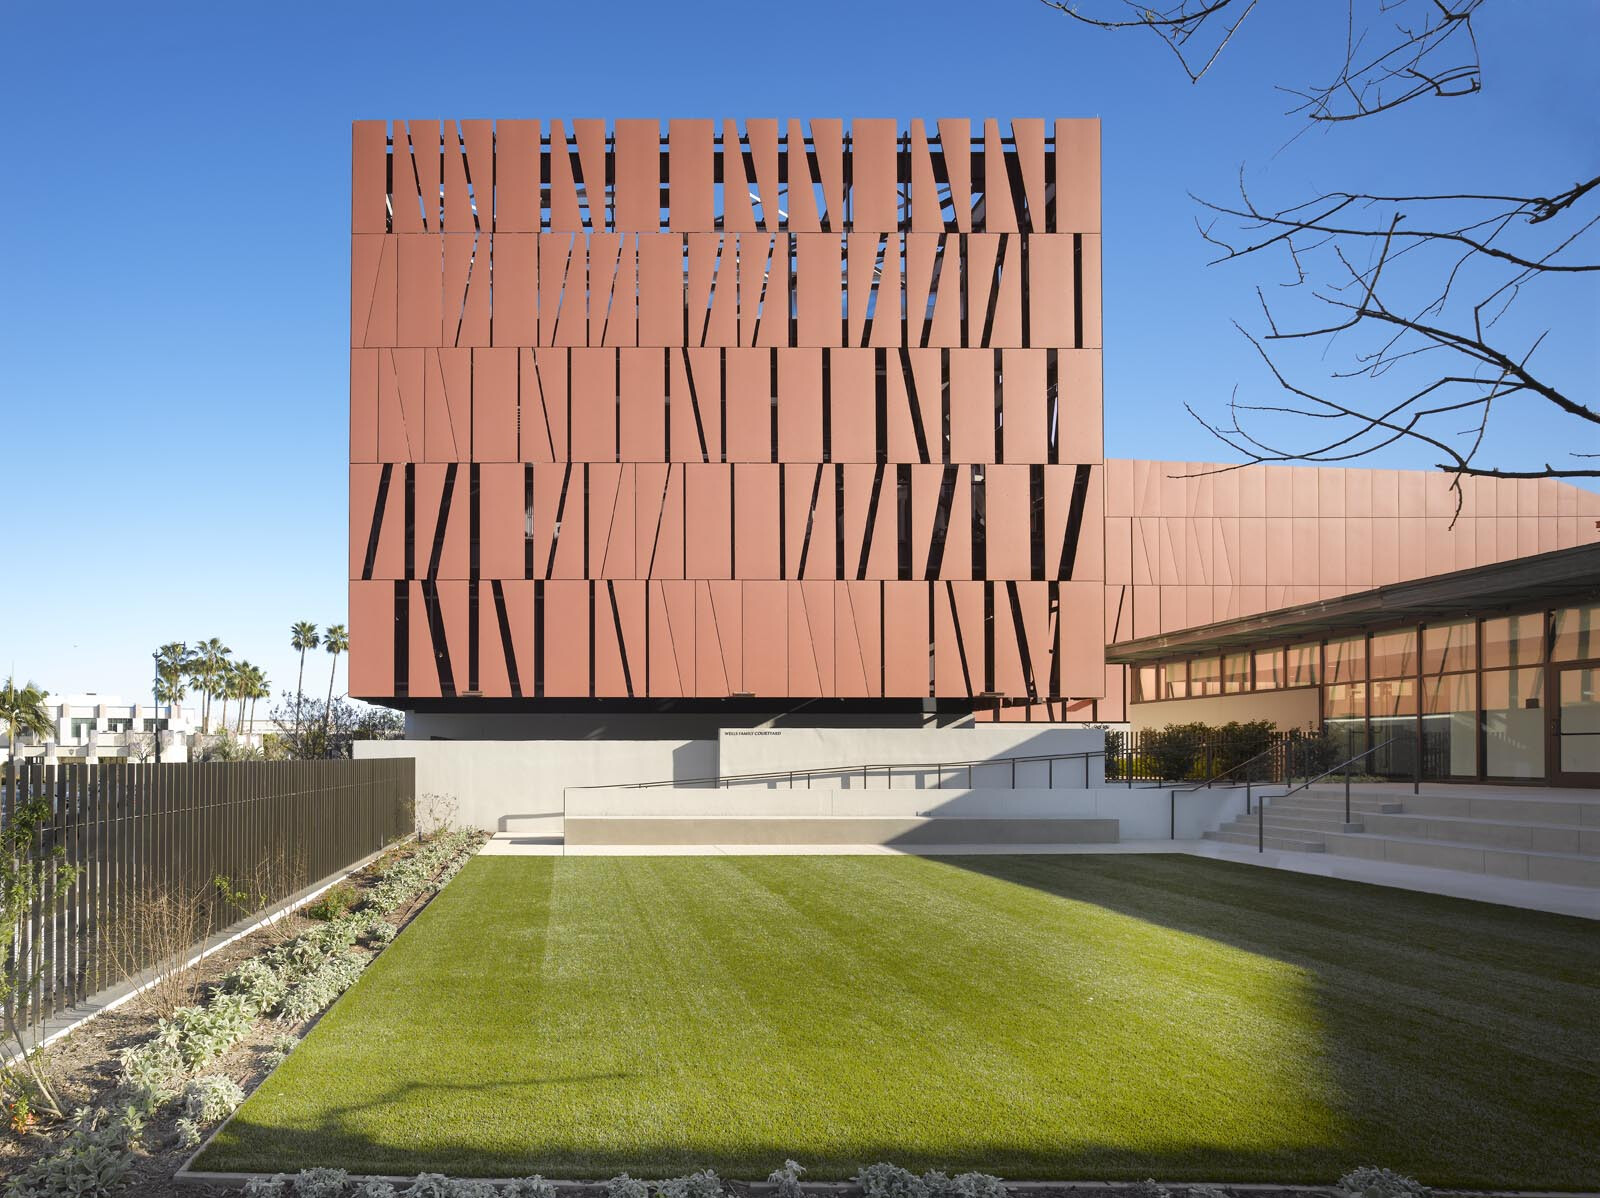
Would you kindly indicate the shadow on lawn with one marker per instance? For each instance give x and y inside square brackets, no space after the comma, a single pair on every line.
[1452,1030]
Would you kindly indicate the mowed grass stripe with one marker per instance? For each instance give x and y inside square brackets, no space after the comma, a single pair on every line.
[1034,1016]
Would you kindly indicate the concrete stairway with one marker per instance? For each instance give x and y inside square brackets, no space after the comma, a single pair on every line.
[1539,834]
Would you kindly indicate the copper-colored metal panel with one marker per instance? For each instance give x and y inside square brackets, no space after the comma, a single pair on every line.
[613,289]
[566,214]
[874,187]
[1081,422]
[708,520]
[595,197]
[765,631]
[994,290]
[405,195]
[694,402]
[377,521]
[642,405]
[594,405]
[502,520]
[1412,494]
[800,405]
[442,498]
[427,144]
[1119,547]
[447,404]
[661,299]
[972,405]
[870,522]
[516,289]
[932,290]
[494,405]
[1008,549]
[610,500]
[810,657]
[672,658]
[719,639]
[371,661]
[437,661]
[906,649]
[369,175]
[1196,560]
[817,281]
[738,213]
[1332,541]
[762,134]
[927,216]
[364,405]
[850,392]
[1385,551]
[1078,176]
[1023,644]
[863,252]
[563,313]
[827,137]
[748,402]
[1076,531]
[542,379]
[515,178]
[505,639]
[858,639]
[1024,413]
[658,544]
[712,290]
[764,290]
[1028,132]
[914,421]
[1224,532]
[955,140]
[374,290]
[558,521]
[756,522]
[566,638]
[804,216]
[1089,296]
[959,659]
[1052,302]
[1330,491]
[691,171]
[999,210]
[637,165]
[465,310]
[956,560]
[400,405]
[1303,490]
[810,497]
[1119,488]
[620,653]
[456,192]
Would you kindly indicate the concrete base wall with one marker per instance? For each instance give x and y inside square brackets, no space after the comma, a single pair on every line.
[624,830]
[500,784]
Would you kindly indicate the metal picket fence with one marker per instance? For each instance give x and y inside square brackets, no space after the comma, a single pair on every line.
[131,831]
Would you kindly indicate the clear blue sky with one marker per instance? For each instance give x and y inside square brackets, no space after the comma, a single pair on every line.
[173,317]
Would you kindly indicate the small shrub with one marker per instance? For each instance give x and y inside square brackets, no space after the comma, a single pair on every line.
[266,1187]
[334,902]
[282,1045]
[318,989]
[461,1188]
[374,1187]
[188,1132]
[884,1180]
[530,1187]
[215,1096]
[1148,1188]
[1205,1192]
[623,1186]
[1372,1182]
[964,1185]
[428,1185]
[321,1183]
[382,932]
[787,1179]
[92,1162]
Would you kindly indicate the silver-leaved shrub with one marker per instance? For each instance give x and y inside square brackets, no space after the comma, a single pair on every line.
[1372,1182]
[884,1180]
[787,1180]
[623,1186]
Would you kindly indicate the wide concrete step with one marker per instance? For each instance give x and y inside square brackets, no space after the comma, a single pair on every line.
[1567,869]
[1294,823]
[1539,807]
[1289,844]
[1314,808]
[1535,836]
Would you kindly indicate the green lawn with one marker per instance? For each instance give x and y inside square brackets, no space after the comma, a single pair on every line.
[1055,1017]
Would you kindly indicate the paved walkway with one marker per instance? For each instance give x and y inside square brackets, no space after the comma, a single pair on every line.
[1581,901]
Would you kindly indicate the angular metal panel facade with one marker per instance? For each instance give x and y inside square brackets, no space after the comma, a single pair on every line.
[711,409]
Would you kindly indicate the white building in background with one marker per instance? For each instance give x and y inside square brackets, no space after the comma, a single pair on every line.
[91,728]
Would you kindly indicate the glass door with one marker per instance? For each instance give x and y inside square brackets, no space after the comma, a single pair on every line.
[1576,726]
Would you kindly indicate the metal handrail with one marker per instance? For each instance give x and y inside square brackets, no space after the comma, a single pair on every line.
[1261,807]
[1206,785]
[864,770]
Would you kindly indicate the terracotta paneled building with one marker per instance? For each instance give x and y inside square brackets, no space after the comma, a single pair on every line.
[762,411]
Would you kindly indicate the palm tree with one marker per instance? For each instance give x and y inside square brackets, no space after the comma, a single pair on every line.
[336,641]
[172,664]
[302,636]
[206,667]
[260,688]
[24,710]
